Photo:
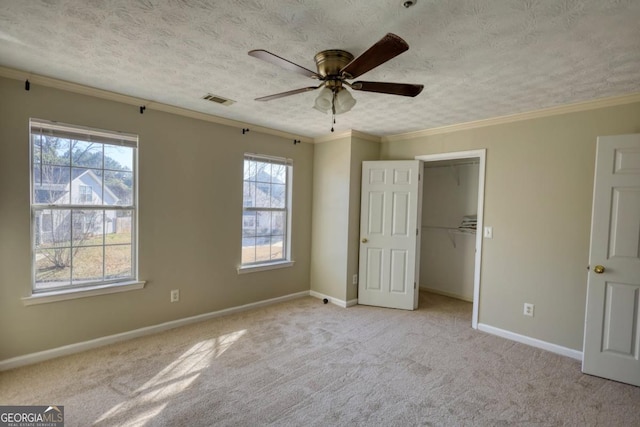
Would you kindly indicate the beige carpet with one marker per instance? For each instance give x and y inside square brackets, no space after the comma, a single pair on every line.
[303,363]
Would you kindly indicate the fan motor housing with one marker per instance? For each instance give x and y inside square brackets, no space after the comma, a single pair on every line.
[330,62]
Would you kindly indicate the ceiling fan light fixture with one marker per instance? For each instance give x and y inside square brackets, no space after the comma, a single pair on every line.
[324,100]
[344,101]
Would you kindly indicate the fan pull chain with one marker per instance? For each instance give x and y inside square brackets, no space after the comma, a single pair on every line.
[333,110]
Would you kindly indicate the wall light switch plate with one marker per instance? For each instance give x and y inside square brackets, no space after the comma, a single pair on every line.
[488,232]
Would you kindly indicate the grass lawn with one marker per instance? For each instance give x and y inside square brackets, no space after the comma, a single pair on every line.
[88,260]
[261,253]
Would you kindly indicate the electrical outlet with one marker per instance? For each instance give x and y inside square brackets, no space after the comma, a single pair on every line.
[528,309]
[175,295]
[355,279]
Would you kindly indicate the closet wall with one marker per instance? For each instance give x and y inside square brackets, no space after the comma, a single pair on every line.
[447,258]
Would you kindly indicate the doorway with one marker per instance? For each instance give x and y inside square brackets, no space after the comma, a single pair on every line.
[452,225]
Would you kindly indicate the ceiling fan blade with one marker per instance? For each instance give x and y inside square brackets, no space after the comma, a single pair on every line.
[388,47]
[404,89]
[291,92]
[286,64]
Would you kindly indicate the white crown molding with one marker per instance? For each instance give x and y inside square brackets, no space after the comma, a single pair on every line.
[12,73]
[546,112]
[66,350]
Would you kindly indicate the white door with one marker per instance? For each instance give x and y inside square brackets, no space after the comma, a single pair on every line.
[389,227]
[612,324]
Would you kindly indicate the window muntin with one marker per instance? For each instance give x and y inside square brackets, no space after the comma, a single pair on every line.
[266,210]
[83,206]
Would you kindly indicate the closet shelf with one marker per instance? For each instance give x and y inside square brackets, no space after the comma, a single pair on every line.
[452,231]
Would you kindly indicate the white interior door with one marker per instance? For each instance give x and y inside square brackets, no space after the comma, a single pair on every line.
[612,324]
[389,233]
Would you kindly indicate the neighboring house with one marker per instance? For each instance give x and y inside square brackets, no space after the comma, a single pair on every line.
[53,186]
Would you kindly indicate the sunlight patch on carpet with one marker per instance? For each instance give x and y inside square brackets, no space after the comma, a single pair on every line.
[153,396]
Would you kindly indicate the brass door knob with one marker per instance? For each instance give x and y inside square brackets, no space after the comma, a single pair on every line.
[364,240]
[598,269]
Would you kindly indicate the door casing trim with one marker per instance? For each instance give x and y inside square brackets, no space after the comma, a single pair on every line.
[482,156]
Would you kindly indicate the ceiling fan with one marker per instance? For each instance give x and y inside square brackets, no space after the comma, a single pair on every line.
[335,67]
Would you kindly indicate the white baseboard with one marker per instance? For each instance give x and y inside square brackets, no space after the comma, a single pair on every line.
[446,294]
[534,342]
[332,300]
[66,350]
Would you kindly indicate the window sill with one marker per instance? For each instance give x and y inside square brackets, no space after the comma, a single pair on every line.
[47,297]
[264,267]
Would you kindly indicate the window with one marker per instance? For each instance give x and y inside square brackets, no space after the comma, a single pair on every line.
[266,215]
[86,194]
[83,206]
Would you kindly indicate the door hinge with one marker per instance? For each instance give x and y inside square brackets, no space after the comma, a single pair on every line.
[416,231]
[414,285]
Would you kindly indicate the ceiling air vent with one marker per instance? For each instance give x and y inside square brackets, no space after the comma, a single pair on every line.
[218,99]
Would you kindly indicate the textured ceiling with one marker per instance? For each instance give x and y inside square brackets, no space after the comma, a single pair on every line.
[477,59]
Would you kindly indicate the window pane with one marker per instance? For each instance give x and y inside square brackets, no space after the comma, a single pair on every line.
[118,188]
[278,195]
[248,224]
[86,154]
[250,170]
[53,228]
[51,185]
[263,248]
[52,267]
[278,174]
[87,264]
[277,247]
[118,227]
[263,225]
[87,227]
[263,195]
[118,158]
[36,148]
[55,151]
[278,223]
[248,250]
[249,194]
[86,186]
[118,262]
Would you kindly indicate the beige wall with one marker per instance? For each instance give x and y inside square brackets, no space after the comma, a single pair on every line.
[331,174]
[538,193]
[361,150]
[190,220]
[336,214]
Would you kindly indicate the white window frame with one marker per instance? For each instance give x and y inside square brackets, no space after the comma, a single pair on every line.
[94,287]
[286,260]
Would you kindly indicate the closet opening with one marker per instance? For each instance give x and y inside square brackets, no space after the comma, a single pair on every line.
[451,225]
